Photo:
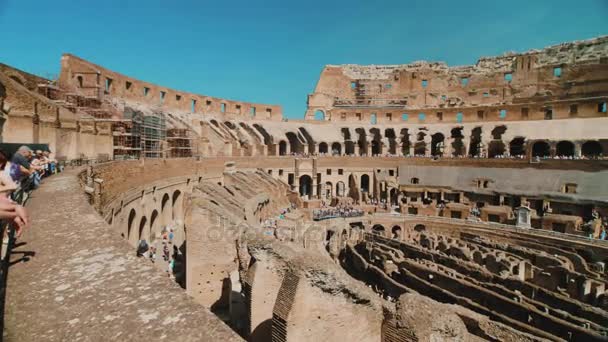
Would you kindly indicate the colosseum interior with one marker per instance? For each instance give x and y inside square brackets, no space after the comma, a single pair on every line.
[414,202]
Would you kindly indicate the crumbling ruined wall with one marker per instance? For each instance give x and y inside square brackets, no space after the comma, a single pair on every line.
[566,71]
[101,82]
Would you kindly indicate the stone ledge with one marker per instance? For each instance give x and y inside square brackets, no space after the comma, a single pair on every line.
[85,283]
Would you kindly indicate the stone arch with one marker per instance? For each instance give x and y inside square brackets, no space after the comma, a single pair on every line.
[517,146]
[592,149]
[349,148]
[177,205]
[132,215]
[394,196]
[166,212]
[154,226]
[320,115]
[396,232]
[340,189]
[564,148]
[336,149]
[419,228]
[437,144]
[328,190]
[378,229]
[365,183]
[353,190]
[496,148]
[17,78]
[282,148]
[305,185]
[541,149]
[142,228]
[323,148]
[295,144]
[458,147]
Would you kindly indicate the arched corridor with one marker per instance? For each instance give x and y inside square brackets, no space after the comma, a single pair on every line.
[591,149]
[541,149]
[305,186]
[564,149]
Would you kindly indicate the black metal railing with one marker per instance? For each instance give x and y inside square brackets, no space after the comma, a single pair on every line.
[7,231]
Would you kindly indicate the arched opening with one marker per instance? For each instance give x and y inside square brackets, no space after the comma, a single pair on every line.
[396,232]
[282,148]
[166,212]
[475,145]
[79,79]
[154,226]
[323,147]
[362,142]
[353,190]
[295,144]
[420,145]
[437,144]
[375,147]
[517,147]
[349,148]
[340,189]
[17,79]
[328,190]
[376,141]
[378,229]
[319,115]
[364,183]
[564,149]
[419,228]
[592,149]
[373,119]
[541,149]
[132,215]
[394,196]
[336,149]
[389,134]
[305,186]
[177,205]
[142,226]
[496,148]
[458,147]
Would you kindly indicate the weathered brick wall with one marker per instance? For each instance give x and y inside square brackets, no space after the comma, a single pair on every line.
[95,78]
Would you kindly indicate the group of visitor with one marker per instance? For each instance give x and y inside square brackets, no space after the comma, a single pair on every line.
[338,211]
[166,243]
[24,169]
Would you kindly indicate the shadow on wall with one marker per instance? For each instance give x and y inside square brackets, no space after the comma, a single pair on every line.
[263,332]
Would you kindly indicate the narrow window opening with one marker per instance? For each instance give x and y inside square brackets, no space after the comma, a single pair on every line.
[404,116]
[573,109]
[601,107]
[459,117]
[503,114]
[524,113]
[464,81]
[108,84]
[223,108]
[440,116]
[425,83]
[548,114]
[480,114]
[508,77]
[192,105]
[178,97]
[421,116]
[252,111]
[162,96]
[146,91]
[128,85]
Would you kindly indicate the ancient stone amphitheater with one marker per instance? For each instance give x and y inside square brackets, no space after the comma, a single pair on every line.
[415,202]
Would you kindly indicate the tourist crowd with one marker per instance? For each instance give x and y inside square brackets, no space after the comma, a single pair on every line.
[338,211]
[24,169]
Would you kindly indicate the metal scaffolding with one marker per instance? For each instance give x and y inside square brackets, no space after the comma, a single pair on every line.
[179,141]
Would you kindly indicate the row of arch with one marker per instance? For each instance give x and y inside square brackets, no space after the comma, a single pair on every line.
[149,228]
[517,147]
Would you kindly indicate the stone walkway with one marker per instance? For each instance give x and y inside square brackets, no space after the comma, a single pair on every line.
[85,283]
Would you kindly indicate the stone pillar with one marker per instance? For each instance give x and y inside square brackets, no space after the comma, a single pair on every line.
[447,147]
[552,148]
[428,143]
[306,149]
[578,148]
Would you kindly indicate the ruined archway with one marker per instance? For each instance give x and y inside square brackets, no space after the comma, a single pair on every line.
[364,183]
[166,212]
[305,186]
[541,149]
[517,147]
[154,226]
[496,148]
[142,229]
[396,232]
[591,149]
[323,148]
[132,215]
[564,149]
[378,229]
[340,189]
[437,144]
[319,115]
[177,205]
[336,149]
[282,148]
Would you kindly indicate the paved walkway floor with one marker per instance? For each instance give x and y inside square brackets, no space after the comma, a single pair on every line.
[85,283]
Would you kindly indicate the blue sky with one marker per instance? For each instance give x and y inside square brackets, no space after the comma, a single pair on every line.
[273,51]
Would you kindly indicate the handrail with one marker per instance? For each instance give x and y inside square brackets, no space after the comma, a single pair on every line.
[7,232]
